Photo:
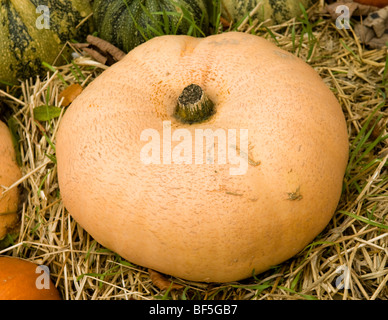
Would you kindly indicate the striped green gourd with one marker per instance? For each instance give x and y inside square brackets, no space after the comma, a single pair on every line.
[128,23]
[25,42]
[278,11]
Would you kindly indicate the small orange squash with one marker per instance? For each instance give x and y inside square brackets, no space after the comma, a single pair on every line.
[24,280]
[150,163]
[9,173]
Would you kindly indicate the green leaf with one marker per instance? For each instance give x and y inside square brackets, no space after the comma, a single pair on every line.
[259,287]
[306,296]
[365,220]
[46,113]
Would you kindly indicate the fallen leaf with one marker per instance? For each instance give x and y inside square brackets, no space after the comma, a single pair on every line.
[70,93]
[162,282]
[46,113]
[372,30]
[354,8]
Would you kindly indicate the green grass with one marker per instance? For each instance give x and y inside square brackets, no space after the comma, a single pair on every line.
[215,16]
[307,29]
[53,69]
[365,220]
[351,51]
[361,147]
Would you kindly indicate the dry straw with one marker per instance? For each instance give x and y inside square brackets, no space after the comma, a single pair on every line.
[348,260]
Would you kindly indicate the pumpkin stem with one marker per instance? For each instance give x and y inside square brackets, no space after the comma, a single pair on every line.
[193,105]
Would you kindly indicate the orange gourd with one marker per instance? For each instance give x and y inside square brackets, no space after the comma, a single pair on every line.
[24,280]
[209,159]
[9,174]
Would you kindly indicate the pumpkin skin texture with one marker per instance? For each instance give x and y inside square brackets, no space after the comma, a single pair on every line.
[278,11]
[199,221]
[375,3]
[115,21]
[18,281]
[24,46]
[9,173]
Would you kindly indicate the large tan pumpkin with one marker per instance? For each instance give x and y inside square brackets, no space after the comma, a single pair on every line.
[213,222]
[9,174]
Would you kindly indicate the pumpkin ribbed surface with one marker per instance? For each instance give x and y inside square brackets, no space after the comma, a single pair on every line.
[277,10]
[24,46]
[122,22]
